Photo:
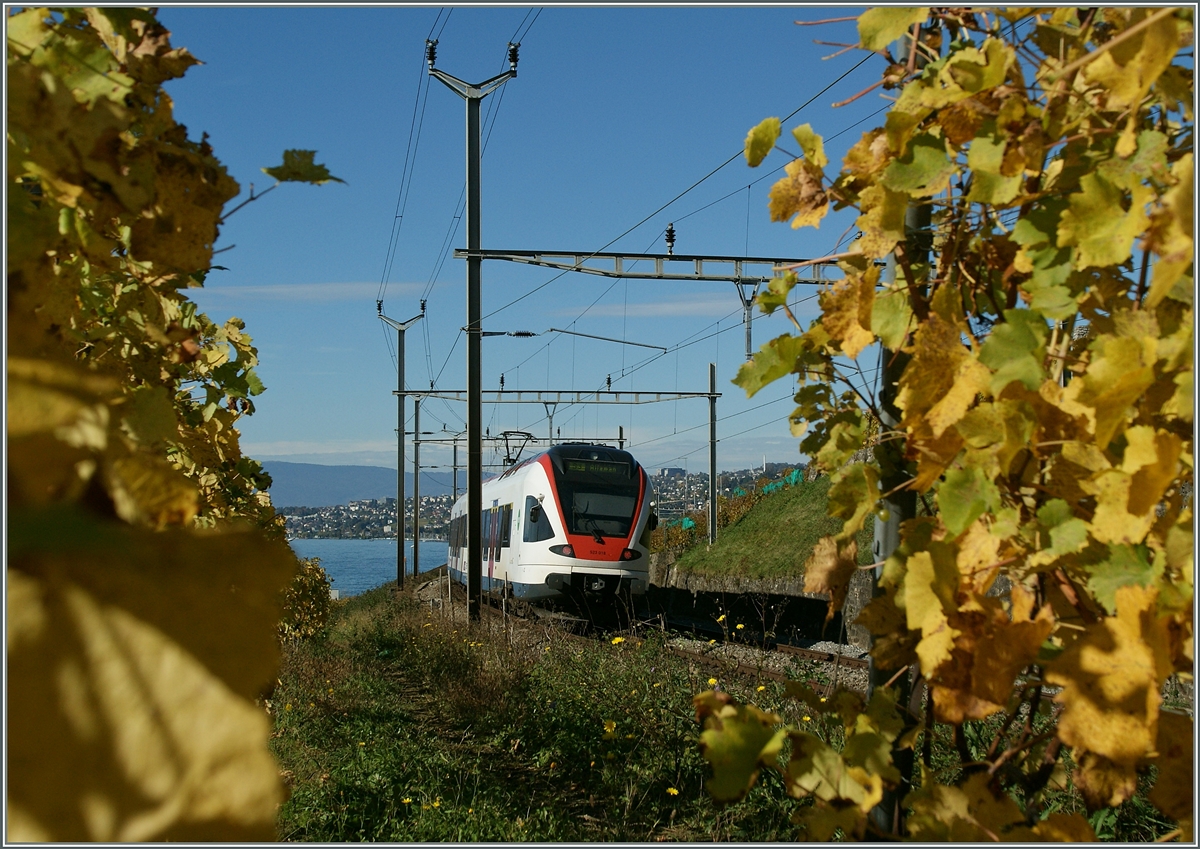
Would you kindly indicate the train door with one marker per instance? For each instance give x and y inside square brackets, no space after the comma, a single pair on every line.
[504,544]
[486,535]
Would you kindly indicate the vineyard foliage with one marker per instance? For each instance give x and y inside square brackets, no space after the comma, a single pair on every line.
[146,567]
[1042,347]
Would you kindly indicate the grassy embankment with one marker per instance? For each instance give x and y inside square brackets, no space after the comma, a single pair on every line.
[762,536]
[401,725]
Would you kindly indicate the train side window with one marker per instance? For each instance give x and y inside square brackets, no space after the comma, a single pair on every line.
[537,523]
[505,525]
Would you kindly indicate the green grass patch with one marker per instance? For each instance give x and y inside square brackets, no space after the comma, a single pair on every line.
[402,726]
[774,538]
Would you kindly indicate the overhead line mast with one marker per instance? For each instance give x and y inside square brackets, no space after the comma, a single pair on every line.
[473,94]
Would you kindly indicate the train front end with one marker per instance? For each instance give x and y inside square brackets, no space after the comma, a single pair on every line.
[604,518]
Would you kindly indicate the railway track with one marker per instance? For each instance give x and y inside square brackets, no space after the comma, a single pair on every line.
[755,661]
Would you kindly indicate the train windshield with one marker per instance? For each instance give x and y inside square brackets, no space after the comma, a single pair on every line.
[599,498]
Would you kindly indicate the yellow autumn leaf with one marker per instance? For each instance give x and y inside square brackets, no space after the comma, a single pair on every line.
[800,194]
[1111,679]
[846,309]
[829,569]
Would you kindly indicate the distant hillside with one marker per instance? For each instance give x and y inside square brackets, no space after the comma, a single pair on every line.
[313,485]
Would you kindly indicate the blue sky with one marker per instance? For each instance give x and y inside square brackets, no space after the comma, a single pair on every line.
[615,112]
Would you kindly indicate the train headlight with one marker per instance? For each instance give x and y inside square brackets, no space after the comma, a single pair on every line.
[564,550]
[630,554]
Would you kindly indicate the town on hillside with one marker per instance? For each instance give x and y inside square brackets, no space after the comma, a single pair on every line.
[676,491]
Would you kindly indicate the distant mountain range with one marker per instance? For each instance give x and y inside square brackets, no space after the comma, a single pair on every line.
[313,485]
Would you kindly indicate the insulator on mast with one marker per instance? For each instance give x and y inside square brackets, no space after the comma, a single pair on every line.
[670,239]
[512,56]
[431,52]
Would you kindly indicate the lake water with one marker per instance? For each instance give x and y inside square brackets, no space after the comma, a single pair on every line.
[357,565]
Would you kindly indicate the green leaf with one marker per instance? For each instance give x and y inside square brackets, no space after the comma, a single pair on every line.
[1097,223]
[891,316]
[988,185]
[760,140]
[151,415]
[923,170]
[1015,349]
[771,362]
[852,497]
[738,741]
[812,145]
[881,25]
[1125,565]
[776,293]
[298,167]
[964,496]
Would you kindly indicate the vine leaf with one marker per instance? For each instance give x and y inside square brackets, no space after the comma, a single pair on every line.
[799,194]
[829,569]
[738,740]
[298,167]
[137,681]
[847,310]
[1111,678]
[760,140]
[880,26]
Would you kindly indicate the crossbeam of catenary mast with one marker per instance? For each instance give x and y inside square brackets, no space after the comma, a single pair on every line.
[735,269]
[531,396]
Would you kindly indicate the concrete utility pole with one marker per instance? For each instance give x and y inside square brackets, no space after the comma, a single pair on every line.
[473,95]
[712,453]
[416,485]
[888,816]
[400,326]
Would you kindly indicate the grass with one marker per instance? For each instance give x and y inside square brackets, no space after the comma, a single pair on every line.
[401,726]
[774,538]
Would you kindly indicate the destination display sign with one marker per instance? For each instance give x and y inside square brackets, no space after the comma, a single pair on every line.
[596,467]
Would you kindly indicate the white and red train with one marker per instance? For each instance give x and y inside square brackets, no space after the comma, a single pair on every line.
[574,519]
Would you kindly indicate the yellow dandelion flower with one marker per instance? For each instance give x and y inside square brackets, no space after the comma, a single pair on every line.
[808,719]
[437,803]
[628,736]
[406,801]
[470,810]
[671,791]
[618,640]
[712,682]
[822,698]
[760,687]
[288,706]
[361,743]
[740,626]
[658,683]
[712,642]
[721,618]
[610,726]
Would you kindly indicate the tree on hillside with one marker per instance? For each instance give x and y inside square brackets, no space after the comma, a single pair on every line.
[145,564]
[1025,266]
